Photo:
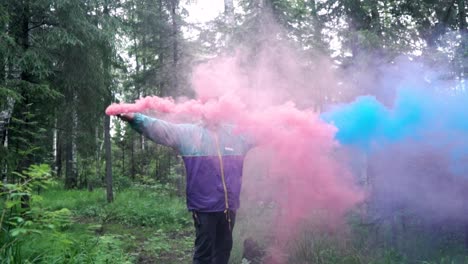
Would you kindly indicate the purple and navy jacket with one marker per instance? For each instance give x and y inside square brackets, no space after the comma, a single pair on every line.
[213,160]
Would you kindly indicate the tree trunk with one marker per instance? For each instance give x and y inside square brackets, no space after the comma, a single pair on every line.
[463,58]
[169,164]
[107,139]
[318,40]
[439,28]
[137,60]
[99,146]
[4,143]
[229,12]
[364,173]
[123,158]
[23,114]
[55,144]
[5,110]
[394,232]
[230,22]
[107,143]
[228,7]
[466,236]
[317,24]
[58,160]
[175,48]
[138,95]
[132,156]
[3,67]
[5,116]
[157,165]
[70,147]
[375,23]
[462,16]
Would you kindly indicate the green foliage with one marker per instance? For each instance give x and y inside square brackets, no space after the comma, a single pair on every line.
[157,243]
[140,206]
[141,219]
[405,240]
[73,247]
[315,246]
[48,232]
[448,260]
[17,221]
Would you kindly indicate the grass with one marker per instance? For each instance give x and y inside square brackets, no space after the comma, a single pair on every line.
[142,225]
[414,242]
[150,225]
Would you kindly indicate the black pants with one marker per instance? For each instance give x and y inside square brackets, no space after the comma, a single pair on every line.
[213,242]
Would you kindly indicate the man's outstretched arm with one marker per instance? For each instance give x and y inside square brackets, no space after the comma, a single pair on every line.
[159,131]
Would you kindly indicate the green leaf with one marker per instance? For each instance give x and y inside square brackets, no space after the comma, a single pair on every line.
[18,231]
[11,203]
[10,186]
[18,219]
[19,194]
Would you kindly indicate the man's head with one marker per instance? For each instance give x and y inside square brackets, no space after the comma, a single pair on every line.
[210,123]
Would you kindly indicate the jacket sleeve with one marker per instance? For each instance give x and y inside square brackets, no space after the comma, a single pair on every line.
[160,131]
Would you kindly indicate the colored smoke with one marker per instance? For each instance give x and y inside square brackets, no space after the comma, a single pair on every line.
[301,174]
[416,146]
[416,114]
[410,134]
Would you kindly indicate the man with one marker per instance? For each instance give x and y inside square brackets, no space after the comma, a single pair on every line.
[213,157]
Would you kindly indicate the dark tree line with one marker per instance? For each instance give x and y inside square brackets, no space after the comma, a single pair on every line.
[63,61]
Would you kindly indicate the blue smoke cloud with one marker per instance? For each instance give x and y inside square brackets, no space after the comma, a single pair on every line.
[415,150]
[416,114]
[358,123]
[436,118]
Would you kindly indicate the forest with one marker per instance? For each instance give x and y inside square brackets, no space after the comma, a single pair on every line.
[80,186]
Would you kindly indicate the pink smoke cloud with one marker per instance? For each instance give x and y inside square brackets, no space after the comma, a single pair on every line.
[303,173]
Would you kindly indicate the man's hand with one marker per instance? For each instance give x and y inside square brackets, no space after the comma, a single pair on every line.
[128,117]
